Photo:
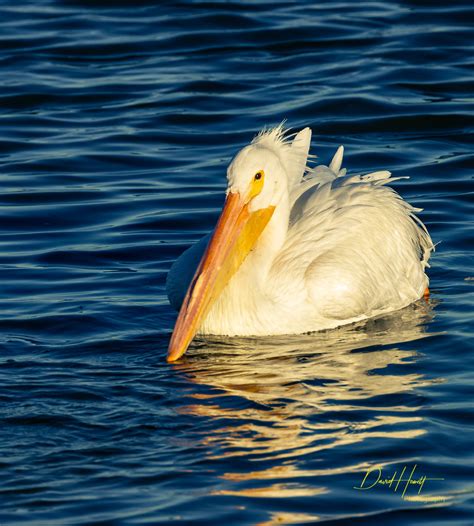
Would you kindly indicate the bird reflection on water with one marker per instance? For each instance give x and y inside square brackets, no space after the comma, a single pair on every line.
[282,403]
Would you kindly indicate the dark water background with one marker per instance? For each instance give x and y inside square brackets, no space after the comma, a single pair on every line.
[117,122]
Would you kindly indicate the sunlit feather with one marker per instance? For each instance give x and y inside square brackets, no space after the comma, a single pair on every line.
[338,248]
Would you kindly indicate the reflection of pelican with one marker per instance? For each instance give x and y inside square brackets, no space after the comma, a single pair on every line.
[283,404]
[333,357]
[292,254]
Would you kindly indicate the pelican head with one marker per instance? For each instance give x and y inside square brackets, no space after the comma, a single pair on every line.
[257,182]
[258,176]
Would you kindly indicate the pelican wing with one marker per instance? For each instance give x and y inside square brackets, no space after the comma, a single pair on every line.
[353,245]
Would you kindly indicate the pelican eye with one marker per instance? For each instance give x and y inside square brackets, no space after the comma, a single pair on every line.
[256,184]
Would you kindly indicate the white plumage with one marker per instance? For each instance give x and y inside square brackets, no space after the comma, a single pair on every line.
[337,249]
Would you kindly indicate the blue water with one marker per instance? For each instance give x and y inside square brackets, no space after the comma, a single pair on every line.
[117,122]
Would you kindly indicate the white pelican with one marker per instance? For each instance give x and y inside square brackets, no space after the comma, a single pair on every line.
[297,249]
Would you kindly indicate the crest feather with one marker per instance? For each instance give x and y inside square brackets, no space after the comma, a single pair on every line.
[291,148]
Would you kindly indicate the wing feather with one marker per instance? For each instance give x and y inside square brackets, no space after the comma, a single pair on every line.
[353,232]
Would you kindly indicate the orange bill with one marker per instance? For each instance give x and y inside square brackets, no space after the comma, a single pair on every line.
[236,233]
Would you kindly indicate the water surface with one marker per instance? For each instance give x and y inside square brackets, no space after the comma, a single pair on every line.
[117,123]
